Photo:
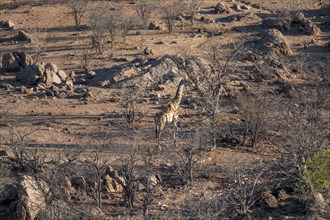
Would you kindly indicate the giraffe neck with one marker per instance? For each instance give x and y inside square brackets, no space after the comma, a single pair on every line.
[179,93]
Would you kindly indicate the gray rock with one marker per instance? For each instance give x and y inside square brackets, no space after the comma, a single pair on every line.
[23,36]
[63,76]
[15,61]
[30,197]
[279,24]
[8,24]
[91,74]
[273,42]
[221,8]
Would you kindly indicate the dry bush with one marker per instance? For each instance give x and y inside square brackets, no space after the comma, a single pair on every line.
[171,11]
[108,27]
[185,155]
[304,131]
[255,116]
[144,9]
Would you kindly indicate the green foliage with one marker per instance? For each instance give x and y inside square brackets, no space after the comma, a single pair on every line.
[318,170]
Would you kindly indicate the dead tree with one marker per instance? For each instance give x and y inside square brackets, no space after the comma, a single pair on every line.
[207,77]
[144,9]
[78,9]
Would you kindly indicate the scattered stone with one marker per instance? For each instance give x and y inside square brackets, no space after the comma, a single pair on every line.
[49,92]
[221,8]
[97,213]
[153,25]
[23,36]
[71,74]
[91,74]
[62,95]
[237,7]
[63,76]
[282,195]
[89,94]
[245,7]
[148,51]
[310,28]
[69,82]
[298,17]
[27,90]
[150,181]
[9,87]
[250,17]
[269,199]
[7,24]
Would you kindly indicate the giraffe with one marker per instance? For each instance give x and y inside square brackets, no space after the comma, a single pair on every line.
[170,113]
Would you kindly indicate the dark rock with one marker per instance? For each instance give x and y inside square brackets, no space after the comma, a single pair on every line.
[23,36]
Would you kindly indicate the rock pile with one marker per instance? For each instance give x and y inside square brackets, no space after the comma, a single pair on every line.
[296,20]
[37,73]
[273,41]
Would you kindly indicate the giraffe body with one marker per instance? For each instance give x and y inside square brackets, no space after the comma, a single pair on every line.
[170,114]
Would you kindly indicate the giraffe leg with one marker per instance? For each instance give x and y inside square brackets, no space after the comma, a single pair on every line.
[175,124]
[161,126]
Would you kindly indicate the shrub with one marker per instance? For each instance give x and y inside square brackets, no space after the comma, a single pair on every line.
[318,170]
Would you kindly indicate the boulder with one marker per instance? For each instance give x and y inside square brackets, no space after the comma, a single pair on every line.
[221,8]
[23,36]
[31,197]
[30,74]
[12,62]
[273,42]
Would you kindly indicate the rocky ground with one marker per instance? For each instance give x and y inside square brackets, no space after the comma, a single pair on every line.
[62,99]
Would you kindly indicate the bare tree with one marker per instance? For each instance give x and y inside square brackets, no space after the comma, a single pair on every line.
[78,9]
[96,165]
[133,93]
[171,12]
[144,9]
[207,77]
